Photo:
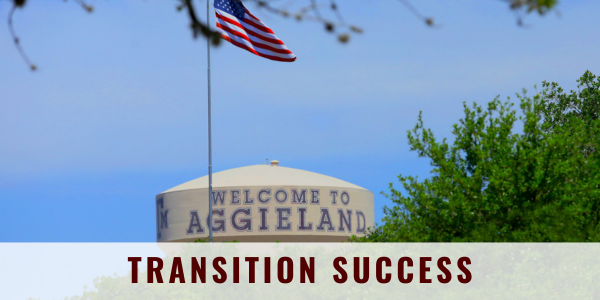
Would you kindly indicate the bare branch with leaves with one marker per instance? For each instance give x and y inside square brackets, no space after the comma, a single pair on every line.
[313,10]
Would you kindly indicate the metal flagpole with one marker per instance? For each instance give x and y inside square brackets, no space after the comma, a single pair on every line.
[210,194]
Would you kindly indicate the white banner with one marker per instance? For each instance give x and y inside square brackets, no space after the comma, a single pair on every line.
[299,271]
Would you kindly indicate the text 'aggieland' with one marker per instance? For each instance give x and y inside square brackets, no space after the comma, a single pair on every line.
[245,203]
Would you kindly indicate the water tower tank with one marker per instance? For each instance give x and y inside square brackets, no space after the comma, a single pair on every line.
[265,203]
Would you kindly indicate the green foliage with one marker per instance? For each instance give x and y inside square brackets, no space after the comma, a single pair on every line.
[206,240]
[539,6]
[559,108]
[495,184]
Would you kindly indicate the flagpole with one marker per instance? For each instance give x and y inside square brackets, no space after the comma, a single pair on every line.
[210,196]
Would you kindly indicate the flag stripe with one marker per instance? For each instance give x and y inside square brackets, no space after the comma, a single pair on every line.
[247,44]
[252,40]
[246,26]
[253,51]
[257,20]
[258,25]
[254,43]
[250,32]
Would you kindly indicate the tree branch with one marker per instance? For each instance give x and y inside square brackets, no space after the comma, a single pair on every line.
[428,20]
[16,39]
[311,12]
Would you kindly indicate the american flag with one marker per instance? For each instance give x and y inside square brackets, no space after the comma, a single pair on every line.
[238,26]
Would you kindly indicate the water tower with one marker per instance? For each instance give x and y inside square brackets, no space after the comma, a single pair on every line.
[265,203]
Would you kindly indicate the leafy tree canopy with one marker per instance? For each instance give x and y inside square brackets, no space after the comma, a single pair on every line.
[497,183]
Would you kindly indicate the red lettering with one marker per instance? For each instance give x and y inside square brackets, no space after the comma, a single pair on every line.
[342,277]
[236,270]
[423,269]
[267,270]
[379,270]
[409,263]
[199,270]
[251,263]
[217,267]
[461,266]
[290,270]
[134,268]
[307,270]
[177,271]
[357,270]
[442,262]
[154,270]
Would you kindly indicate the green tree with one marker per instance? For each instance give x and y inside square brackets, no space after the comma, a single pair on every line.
[495,183]
[560,108]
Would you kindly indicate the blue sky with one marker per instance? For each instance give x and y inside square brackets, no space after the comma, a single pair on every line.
[117,111]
